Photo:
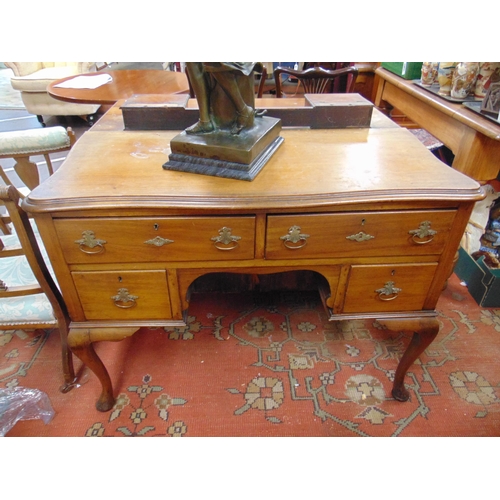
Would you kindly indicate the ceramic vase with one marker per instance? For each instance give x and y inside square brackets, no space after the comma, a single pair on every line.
[429,73]
[445,75]
[464,79]
[486,69]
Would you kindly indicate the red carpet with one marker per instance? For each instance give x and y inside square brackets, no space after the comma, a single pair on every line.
[270,364]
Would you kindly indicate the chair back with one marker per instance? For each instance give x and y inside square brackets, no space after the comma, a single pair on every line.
[317,80]
[29,296]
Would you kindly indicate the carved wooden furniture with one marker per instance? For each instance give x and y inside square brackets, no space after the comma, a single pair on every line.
[473,139]
[29,298]
[371,211]
[316,80]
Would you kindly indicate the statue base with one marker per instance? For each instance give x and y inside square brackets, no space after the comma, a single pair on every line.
[221,154]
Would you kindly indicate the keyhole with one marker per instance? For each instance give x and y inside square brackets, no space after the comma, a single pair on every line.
[363,222]
[156,227]
[119,279]
[393,272]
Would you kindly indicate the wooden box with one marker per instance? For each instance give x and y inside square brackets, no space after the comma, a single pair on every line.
[319,111]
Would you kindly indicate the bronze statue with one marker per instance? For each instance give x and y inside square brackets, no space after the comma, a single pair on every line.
[227,140]
[225,94]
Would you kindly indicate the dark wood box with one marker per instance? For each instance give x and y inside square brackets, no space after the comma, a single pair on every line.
[320,111]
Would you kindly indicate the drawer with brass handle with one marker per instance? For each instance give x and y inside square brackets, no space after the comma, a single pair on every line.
[358,234]
[388,288]
[147,239]
[123,295]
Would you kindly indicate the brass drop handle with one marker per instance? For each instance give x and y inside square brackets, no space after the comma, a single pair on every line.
[294,236]
[90,241]
[388,291]
[225,241]
[124,300]
[424,234]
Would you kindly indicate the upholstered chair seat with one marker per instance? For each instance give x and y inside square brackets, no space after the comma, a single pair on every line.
[16,271]
[22,144]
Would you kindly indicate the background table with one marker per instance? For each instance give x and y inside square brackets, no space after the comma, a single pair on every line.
[125,84]
[474,140]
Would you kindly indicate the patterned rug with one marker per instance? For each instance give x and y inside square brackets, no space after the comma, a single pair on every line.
[270,364]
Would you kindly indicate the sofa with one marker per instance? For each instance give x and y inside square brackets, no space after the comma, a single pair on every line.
[32,79]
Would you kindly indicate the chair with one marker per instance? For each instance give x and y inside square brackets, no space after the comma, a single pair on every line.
[21,145]
[32,79]
[29,296]
[262,82]
[316,80]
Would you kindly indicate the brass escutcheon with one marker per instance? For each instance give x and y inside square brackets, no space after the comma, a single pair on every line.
[158,241]
[225,238]
[89,240]
[361,236]
[124,300]
[388,292]
[424,231]
[294,236]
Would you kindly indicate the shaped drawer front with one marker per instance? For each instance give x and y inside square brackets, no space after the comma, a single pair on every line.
[156,239]
[127,295]
[359,234]
[388,288]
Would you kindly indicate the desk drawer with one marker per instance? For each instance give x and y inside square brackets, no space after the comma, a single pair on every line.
[127,295]
[156,239]
[388,288]
[360,234]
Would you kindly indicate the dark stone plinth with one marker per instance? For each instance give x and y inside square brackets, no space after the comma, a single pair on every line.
[221,154]
[221,168]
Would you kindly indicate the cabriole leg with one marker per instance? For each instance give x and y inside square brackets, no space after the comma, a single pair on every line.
[424,332]
[80,341]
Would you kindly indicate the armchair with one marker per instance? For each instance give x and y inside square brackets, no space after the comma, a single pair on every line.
[317,80]
[32,79]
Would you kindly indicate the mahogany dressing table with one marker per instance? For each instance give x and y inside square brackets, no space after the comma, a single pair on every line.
[370,210]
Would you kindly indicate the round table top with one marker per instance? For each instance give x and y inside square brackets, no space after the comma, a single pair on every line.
[124,84]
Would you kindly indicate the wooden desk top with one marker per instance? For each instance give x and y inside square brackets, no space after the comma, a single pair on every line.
[125,84]
[110,168]
[455,110]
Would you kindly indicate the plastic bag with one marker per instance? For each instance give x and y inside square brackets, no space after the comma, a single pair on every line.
[21,403]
